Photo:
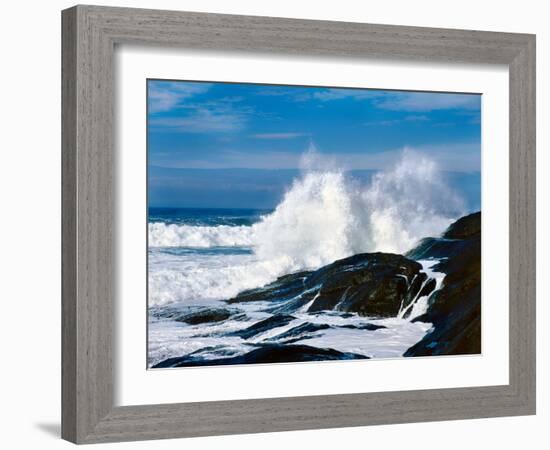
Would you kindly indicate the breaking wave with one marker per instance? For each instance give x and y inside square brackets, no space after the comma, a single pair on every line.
[172,235]
[325,215]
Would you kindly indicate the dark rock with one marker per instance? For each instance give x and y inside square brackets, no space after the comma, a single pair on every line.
[369,284]
[165,312]
[455,309]
[436,248]
[204,316]
[427,288]
[220,351]
[300,331]
[240,317]
[453,241]
[363,326]
[294,304]
[269,353]
[192,315]
[282,289]
[466,227]
[414,289]
[264,325]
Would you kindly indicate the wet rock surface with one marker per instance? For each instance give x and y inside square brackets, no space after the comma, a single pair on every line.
[270,353]
[455,309]
[369,284]
[193,315]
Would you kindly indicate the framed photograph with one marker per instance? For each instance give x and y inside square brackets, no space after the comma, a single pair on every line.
[268,222]
[263,248]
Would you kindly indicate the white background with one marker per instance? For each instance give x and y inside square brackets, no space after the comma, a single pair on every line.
[135,386]
[30,224]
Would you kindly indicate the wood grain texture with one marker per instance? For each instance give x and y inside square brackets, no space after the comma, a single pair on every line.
[89,37]
[68,224]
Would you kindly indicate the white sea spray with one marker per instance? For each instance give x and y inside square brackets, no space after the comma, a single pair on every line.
[324,215]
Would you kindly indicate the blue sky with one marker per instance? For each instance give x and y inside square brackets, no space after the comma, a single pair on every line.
[198,130]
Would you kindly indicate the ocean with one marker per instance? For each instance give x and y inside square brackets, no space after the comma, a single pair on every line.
[200,258]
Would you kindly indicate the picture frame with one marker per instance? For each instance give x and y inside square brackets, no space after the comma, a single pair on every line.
[90,34]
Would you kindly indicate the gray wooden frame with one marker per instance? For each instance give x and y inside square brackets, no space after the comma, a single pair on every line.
[89,37]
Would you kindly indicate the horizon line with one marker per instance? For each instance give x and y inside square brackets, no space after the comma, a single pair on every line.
[153,166]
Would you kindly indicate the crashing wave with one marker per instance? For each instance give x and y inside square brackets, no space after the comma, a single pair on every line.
[324,216]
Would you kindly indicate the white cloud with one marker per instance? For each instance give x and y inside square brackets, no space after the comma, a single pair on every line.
[220,115]
[166,95]
[427,101]
[277,136]
[201,121]
[454,157]
[417,118]
[411,118]
[383,123]
[398,100]
[337,94]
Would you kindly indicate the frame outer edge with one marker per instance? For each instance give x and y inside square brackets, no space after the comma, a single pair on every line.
[523,225]
[69,204]
[531,139]
[88,208]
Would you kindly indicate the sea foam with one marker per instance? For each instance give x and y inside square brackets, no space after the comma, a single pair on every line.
[172,235]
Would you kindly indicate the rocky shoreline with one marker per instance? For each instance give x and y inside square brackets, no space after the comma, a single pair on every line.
[368,285]
[455,309]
